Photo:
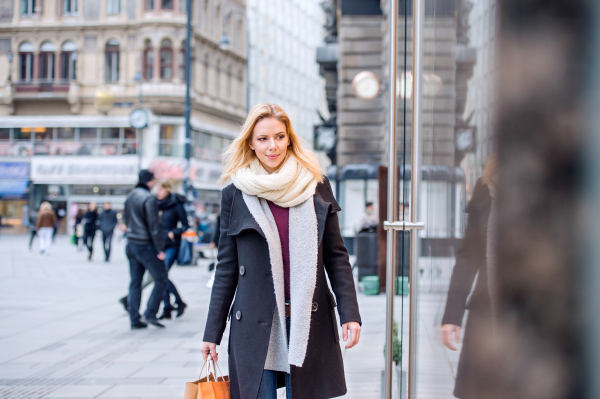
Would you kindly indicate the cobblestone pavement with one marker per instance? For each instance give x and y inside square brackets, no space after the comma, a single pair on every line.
[64,335]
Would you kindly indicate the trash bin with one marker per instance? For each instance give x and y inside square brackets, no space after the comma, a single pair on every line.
[365,249]
[370,285]
[402,286]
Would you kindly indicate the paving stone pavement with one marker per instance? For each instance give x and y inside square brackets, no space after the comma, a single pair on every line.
[64,335]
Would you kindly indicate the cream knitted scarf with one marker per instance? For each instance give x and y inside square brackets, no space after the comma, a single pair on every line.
[290,186]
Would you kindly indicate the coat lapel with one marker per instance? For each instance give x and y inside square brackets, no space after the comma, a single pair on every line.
[241,219]
[322,208]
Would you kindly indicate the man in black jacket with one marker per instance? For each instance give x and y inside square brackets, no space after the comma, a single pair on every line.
[107,222]
[145,250]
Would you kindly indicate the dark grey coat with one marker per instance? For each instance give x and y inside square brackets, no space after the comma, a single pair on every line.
[244,271]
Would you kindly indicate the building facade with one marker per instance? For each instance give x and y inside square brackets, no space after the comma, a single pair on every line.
[284,36]
[63,63]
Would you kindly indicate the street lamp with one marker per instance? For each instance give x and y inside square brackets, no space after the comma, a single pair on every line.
[10,60]
[224,42]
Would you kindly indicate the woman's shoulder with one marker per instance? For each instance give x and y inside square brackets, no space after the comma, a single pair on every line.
[325,191]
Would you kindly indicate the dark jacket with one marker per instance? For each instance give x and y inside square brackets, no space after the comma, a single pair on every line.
[90,222]
[141,218]
[107,220]
[173,212]
[243,243]
[471,263]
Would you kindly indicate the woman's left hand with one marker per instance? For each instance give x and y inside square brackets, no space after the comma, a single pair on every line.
[171,235]
[354,329]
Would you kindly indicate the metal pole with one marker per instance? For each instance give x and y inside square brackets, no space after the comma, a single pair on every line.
[188,67]
[414,198]
[392,203]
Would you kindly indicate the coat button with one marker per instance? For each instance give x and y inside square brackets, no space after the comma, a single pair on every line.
[238,315]
[315,306]
[242,270]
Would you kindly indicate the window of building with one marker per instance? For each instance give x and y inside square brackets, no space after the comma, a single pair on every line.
[68,59]
[181,62]
[183,5]
[47,51]
[168,145]
[26,62]
[69,7]
[113,7]
[148,60]
[167,4]
[27,7]
[111,63]
[166,60]
[149,4]
[218,79]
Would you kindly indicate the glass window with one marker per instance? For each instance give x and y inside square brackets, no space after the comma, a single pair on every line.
[65,133]
[113,7]
[167,4]
[110,133]
[22,134]
[27,7]
[47,66]
[69,7]
[111,65]
[42,133]
[149,4]
[181,60]
[167,132]
[4,133]
[148,60]
[68,58]
[166,60]
[26,62]
[88,134]
[182,5]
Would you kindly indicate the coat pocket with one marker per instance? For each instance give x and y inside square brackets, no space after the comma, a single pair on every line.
[332,306]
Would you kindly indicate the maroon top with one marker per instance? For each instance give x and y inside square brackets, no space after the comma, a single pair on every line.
[282,219]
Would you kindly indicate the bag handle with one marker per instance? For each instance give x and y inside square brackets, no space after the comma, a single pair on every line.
[215,366]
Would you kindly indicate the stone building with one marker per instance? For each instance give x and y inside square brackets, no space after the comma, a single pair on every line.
[62,60]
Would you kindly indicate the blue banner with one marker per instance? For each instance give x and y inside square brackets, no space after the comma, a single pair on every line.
[14,170]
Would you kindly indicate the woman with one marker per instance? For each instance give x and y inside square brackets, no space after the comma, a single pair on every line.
[475,259]
[78,229]
[279,236]
[172,214]
[45,226]
[90,227]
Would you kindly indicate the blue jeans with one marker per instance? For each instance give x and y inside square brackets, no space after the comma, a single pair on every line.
[142,258]
[170,256]
[268,384]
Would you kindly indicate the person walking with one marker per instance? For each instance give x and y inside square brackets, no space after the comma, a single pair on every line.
[45,226]
[107,221]
[78,227]
[32,227]
[280,240]
[145,250]
[90,225]
[172,215]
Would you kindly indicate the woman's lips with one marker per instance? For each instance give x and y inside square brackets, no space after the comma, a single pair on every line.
[272,157]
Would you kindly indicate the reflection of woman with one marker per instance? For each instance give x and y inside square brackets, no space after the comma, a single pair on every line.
[173,213]
[474,259]
[279,237]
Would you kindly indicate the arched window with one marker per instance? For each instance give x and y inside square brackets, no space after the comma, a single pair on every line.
[166,60]
[181,61]
[68,59]
[148,60]
[26,62]
[111,63]
[47,51]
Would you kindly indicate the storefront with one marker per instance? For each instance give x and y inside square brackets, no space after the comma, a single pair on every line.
[14,196]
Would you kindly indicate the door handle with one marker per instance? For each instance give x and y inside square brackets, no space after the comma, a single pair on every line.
[403,225]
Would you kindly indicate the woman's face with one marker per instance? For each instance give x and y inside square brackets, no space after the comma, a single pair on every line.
[161,192]
[270,142]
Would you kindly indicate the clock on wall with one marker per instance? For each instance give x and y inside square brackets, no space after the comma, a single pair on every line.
[366,85]
[138,118]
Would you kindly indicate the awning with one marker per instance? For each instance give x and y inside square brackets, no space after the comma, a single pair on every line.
[14,189]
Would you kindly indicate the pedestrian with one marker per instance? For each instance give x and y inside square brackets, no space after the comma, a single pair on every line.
[280,239]
[173,222]
[45,226]
[368,221]
[474,258]
[79,229]
[32,226]
[107,221]
[145,250]
[90,225]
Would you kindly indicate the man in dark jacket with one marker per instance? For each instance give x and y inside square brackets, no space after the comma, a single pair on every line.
[145,250]
[90,226]
[107,222]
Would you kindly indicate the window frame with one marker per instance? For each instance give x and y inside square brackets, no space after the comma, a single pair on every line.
[48,58]
[113,7]
[167,65]
[111,61]
[28,8]
[148,63]
[69,7]
[29,63]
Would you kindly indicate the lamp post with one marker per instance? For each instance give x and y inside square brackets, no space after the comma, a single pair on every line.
[225,42]
[10,60]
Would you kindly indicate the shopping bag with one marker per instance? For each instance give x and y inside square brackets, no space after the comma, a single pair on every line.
[184,257]
[209,387]
[74,239]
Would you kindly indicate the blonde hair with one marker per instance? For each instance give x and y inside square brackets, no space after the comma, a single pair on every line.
[491,168]
[45,206]
[166,185]
[238,154]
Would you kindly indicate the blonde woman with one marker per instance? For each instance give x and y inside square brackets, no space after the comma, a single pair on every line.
[45,226]
[280,237]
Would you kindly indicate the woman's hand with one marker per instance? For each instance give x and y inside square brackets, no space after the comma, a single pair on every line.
[447,330]
[171,235]
[354,328]
[209,348]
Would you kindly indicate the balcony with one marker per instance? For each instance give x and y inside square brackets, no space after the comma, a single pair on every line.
[42,86]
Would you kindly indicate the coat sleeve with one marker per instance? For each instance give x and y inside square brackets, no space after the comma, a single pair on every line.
[339,270]
[226,277]
[177,231]
[464,273]
[154,229]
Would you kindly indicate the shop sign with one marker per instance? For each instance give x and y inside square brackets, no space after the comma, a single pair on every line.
[202,173]
[14,170]
[84,170]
